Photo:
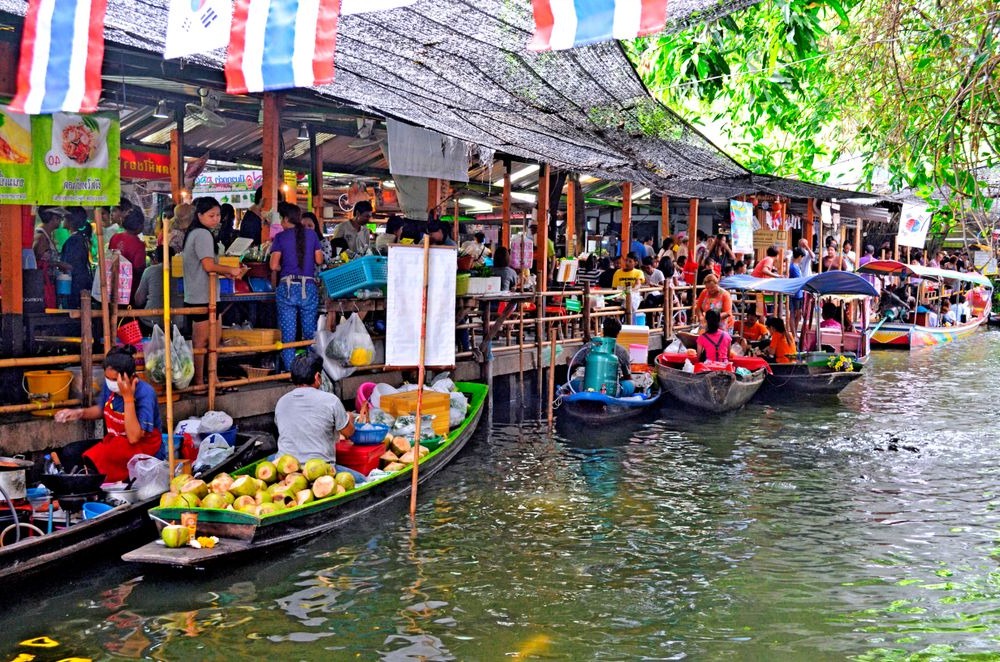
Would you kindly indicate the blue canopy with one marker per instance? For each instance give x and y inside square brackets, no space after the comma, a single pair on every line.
[827,283]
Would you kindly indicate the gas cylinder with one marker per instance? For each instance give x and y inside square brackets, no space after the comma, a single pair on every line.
[602,366]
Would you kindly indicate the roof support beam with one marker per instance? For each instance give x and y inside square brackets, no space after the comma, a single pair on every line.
[505,213]
[177,157]
[664,218]
[11,287]
[271,157]
[316,178]
[626,217]
[692,227]
[542,238]
[571,215]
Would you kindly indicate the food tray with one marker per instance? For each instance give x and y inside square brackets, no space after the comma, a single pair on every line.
[375,434]
[365,272]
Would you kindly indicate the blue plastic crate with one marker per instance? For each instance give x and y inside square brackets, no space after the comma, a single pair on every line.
[364,272]
[374,434]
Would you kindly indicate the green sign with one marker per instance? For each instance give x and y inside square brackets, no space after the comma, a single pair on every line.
[61,159]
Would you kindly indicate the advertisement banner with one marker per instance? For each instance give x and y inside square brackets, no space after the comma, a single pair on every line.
[741,226]
[76,159]
[235,187]
[15,158]
[914,222]
[145,166]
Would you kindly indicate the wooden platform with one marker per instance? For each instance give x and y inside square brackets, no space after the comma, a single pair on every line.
[185,557]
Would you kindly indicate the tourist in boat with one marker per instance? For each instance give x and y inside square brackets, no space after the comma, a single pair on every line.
[714,298]
[765,268]
[294,256]
[947,315]
[610,329]
[199,262]
[131,420]
[310,421]
[830,317]
[714,344]
[752,332]
[782,347]
[978,299]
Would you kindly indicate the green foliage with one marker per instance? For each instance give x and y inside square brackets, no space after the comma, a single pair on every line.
[908,87]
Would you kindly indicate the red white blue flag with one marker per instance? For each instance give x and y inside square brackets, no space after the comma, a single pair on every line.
[278,44]
[62,48]
[561,24]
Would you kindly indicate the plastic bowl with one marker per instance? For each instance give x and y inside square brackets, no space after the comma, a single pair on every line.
[93,509]
[374,433]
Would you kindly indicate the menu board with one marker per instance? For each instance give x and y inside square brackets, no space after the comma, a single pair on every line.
[59,159]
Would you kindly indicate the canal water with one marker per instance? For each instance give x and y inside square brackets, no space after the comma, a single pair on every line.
[864,528]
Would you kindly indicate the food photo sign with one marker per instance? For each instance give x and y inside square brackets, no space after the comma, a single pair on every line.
[60,159]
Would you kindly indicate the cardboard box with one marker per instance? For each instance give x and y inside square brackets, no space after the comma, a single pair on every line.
[229,260]
[251,337]
[484,285]
[436,404]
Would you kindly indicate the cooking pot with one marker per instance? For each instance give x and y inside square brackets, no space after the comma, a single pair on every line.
[73,483]
[12,477]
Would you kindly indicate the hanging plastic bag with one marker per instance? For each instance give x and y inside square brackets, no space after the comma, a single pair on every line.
[151,476]
[323,344]
[154,356]
[181,360]
[212,450]
[124,293]
[351,344]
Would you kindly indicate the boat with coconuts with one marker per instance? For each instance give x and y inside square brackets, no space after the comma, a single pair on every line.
[274,503]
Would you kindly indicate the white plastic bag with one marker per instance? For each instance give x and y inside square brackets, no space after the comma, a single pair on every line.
[215,421]
[181,360]
[351,344]
[459,407]
[154,356]
[688,366]
[323,345]
[151,476]
[212,450]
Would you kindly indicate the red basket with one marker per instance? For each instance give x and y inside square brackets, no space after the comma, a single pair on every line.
[130,333]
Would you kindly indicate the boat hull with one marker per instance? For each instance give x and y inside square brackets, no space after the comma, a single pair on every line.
[242,534]
[914,336]
[716,391]
[793,380]
[119,528]
[601,409]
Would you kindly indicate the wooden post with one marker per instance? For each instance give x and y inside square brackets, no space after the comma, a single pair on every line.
[505,213]
[213,340]
[177,159]
[167,358]
[270,158]
[570,216]
[552,374]
[668,309]
[627,218]
[11,277]
[420,379]
[586,312]
[807,224]
[316,178]
[105,284]
[692,227]
[542,240]
[433,194]
[664,219]
[86,349]
[858,249]
[454,222]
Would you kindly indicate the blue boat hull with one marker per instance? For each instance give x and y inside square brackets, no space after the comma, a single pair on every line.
[600,408]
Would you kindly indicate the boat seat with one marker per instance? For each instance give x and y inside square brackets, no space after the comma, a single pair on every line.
[832,337]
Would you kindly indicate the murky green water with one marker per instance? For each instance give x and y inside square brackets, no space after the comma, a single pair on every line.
[864,529]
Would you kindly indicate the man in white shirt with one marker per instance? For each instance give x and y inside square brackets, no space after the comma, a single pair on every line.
[806,266]
[310,421]
[355,231]
[654,278]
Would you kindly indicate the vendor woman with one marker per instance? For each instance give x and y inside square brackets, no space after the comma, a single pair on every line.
[131,419]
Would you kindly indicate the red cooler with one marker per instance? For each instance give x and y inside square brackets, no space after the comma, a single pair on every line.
[360,458]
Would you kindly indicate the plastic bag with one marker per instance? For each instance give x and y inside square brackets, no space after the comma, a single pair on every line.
[212,450]
[459,407]
[323,345]
[688,366]
[151,476]
[375,399]
[406,426]
[215,421]
[181,360]
[124,293]
[154,356]
[351,344]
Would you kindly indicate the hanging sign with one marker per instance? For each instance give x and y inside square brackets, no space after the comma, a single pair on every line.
[405,287]
[145,166]
[235,187]
[741,226]
[59,159]
[15,157]
[914,221]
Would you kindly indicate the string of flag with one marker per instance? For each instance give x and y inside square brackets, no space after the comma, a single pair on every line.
[272,44]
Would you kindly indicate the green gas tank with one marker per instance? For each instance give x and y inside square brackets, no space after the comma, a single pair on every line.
[602,367]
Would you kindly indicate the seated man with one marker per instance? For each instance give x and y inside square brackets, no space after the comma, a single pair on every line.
[752,329]
[947,314]
[310,421]
[611,329]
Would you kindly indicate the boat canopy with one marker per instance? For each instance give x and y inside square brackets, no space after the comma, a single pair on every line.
[894,268]
[828,283]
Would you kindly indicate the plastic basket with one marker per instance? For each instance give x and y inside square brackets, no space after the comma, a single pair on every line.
[373,434]
[365,272]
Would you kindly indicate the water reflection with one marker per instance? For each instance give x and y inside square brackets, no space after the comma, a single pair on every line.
[821,530]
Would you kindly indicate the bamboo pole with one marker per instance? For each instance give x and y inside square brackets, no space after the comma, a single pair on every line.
[37,361]
[105,285]
[420,378]
[167,360]
[505,208]
[213,339]
[571,216]
[38,406]
[86,349]
[626,234]
[552,374]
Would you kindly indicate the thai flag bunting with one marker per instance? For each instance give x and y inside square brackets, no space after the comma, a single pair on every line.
[364,6]
[62,49]
[278,44]
[561,24]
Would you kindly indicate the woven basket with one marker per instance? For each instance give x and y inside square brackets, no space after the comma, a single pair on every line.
[254,372]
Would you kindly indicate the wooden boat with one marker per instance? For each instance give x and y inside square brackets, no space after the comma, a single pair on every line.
[600,408]
[123,526]
[810,373]
[241,533]
[909,329]
[716,391]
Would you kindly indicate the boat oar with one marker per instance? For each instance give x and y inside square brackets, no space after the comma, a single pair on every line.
[420,377]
